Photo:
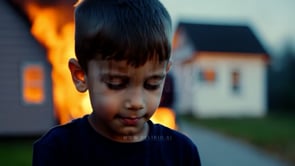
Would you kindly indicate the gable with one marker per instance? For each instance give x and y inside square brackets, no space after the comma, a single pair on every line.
[221,38]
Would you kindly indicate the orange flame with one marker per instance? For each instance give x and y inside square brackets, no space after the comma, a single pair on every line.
[165,116]
[59,42]
[57,35]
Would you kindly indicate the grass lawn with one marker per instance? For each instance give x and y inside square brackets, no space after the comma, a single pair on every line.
[16,152]
[273,133]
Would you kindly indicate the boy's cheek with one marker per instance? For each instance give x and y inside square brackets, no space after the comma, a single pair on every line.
[105,106]
[155,99]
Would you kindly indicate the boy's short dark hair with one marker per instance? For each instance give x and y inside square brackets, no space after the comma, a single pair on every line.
[132,30]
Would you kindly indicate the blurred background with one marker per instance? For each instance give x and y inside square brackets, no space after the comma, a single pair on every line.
[232,78]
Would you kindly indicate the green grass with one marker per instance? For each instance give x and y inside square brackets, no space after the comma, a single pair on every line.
[273,133]
[16,152]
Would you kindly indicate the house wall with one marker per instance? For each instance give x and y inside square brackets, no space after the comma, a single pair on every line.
[218,98]
[182,75]
[17,48]
[183,82]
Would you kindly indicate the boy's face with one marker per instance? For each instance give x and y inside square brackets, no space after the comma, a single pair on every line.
[123,98]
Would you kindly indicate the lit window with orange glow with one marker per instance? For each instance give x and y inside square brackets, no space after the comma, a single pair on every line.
[33,84]
[207,75]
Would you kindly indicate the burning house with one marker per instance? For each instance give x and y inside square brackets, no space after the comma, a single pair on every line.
[26,97]
[37,40]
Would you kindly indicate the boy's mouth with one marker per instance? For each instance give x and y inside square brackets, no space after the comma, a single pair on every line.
[130,121]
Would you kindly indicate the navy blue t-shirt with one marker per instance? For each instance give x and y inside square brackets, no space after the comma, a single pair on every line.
[77,143]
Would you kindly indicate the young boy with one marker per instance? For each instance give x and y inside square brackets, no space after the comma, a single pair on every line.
[123,55]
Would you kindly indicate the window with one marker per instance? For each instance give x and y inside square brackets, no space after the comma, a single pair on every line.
[33,84]
[236,81]
[207,75]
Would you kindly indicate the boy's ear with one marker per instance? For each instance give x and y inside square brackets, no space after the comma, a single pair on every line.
[78,75]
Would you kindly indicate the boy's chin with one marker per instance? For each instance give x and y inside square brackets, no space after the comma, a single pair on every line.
[133,133]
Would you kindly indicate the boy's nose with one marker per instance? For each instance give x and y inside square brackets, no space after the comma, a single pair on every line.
[135,100]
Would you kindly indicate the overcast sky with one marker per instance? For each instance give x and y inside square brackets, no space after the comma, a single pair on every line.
[272,20]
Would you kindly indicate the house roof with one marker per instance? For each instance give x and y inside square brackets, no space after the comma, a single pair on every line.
[225,38]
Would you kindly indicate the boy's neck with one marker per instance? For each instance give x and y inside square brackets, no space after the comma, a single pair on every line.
[138,137]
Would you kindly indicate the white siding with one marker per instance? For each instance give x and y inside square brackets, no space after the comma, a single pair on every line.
[218,99]
[183,76]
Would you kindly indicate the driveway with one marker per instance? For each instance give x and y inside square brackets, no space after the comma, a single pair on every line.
[219,150]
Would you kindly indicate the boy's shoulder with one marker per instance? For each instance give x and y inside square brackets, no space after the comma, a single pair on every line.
[176,144]
[61,133]
[171,135]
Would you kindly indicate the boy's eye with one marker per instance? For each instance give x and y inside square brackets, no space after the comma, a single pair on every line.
[116,86]
[151,86]
[115,83]
[154,83]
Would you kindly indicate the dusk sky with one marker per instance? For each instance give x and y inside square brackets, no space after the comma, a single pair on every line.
[272,20]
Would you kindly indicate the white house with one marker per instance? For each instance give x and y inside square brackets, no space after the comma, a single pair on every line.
[219,71]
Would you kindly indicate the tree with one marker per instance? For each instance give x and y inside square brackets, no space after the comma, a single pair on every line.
[282,82]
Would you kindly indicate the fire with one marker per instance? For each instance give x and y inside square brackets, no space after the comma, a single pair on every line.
[165,116]
[57,36]
[56,33]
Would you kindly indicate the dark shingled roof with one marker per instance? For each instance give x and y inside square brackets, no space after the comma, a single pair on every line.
[225,38]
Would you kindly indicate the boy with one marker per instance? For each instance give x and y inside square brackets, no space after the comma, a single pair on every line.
[123,55]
